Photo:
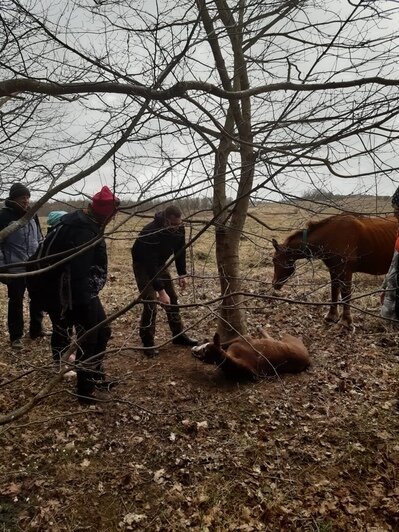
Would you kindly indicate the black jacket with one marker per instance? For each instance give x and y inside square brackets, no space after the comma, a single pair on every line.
[78,280]
[155,245]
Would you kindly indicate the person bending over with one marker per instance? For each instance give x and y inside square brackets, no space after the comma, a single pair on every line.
[70,291]
[156,243]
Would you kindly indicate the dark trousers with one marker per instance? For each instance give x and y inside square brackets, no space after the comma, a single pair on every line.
[61,334]
[16,291]
[148,317]
[89,355]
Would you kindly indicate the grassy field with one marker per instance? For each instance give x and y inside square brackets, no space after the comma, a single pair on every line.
[175,446]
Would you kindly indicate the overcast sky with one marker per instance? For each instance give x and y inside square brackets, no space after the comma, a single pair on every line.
[68,127]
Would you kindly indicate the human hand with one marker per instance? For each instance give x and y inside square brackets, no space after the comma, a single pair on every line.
[163,297]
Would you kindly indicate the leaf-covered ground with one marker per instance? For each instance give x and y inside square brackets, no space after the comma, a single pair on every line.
[175,446]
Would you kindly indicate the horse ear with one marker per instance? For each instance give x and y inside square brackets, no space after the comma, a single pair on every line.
[216,339]
[275,244]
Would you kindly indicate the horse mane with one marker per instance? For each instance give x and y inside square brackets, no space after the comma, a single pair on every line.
[316,224]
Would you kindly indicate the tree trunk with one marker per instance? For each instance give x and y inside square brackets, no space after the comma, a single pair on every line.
[232,320]
[237,126]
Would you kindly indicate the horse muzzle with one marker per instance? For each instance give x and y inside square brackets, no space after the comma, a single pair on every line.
[199,351]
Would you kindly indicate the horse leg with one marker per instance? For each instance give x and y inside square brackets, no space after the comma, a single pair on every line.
[262,332]
[346,292]
[333,314]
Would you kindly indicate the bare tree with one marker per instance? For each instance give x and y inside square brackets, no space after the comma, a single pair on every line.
[234,99]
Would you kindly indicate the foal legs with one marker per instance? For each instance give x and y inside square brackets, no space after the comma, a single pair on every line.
[262,332]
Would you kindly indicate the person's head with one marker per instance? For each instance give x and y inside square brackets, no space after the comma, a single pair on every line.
[395,203]
[20,194]
[54,217]
[172,217]
[104,205]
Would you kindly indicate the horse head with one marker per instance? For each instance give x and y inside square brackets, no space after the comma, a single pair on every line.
[284,264]
[208,352]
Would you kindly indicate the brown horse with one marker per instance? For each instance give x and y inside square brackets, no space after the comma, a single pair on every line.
[346,244]
[246,357]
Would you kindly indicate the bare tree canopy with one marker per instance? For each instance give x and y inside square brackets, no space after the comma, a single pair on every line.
[319,82]
[238,102]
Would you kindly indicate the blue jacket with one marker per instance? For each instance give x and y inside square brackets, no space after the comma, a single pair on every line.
[21,244]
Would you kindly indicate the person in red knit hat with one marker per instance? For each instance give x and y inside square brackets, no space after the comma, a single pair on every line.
[104,205]
[70,292]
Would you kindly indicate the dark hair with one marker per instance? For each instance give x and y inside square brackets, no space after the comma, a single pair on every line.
[172,210]
[17,190]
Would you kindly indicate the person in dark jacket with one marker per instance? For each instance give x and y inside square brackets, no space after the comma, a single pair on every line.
[69,292]
[156,243]
[17,248]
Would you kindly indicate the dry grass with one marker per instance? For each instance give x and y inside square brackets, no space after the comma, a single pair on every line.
[176,447]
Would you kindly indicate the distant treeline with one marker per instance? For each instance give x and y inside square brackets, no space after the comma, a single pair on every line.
[194,204]
[186,205]
[323,195]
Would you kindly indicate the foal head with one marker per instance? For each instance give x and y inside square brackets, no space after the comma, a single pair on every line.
[209,352]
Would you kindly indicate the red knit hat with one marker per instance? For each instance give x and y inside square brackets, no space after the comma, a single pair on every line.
[104,204]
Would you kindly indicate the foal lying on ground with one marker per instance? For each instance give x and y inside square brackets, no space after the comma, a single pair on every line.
[247,357]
